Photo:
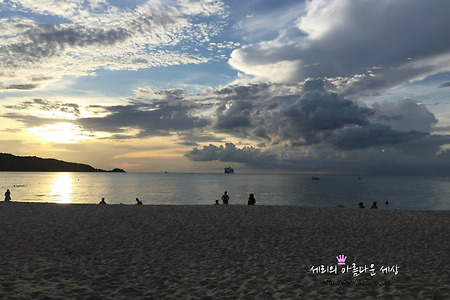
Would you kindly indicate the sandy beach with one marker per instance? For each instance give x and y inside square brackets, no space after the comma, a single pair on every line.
[51,251]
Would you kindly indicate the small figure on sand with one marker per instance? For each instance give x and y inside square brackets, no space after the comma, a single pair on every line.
[251,199]
[7,195]
[374,205]
[102,201]
[361,205]
[217,202]
[138,202]
[225,198]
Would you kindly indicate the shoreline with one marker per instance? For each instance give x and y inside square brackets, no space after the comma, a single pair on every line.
[208,252]
[381,207]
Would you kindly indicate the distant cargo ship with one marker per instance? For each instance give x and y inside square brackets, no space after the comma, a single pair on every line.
[229,170]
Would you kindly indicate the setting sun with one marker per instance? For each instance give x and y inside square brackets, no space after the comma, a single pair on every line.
[65,133]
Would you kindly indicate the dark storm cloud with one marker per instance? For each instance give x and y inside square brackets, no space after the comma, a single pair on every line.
[300,118]
[311,128]
[194,137]
[230,153]
[237,115]
[321,110]
[160,118]
[370,136]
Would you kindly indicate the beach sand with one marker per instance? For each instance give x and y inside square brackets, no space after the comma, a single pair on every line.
[54,251]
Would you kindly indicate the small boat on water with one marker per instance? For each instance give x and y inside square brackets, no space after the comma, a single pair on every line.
[229,170]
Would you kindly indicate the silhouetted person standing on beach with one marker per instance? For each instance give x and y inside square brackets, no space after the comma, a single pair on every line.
[102,202]
[225,198]
[138,202]
[251,199]
[7,195]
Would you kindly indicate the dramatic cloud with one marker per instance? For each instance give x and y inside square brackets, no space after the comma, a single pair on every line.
[311,128]
[300,118]
[300,127]
[362,46]
[154,119]
[77,39]
[230,153]
[405,115]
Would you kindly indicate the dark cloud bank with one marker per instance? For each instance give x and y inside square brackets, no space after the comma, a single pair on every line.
[313,129]
[302,127]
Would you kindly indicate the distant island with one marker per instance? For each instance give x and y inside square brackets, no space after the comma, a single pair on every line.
[9,162]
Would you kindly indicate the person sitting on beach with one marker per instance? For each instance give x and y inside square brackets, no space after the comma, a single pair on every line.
[360,205]
[217,202]
[138,202]
[102,201]
[251,199]
[7,195]
[374,205]
[225,198]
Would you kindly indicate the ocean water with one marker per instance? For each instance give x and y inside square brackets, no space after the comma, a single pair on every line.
[411,193]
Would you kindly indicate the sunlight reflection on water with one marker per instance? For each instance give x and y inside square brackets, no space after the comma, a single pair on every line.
[61,188]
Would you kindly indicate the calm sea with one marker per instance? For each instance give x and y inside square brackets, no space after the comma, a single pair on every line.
[413,193]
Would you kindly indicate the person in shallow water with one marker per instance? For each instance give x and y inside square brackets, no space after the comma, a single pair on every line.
[225,198]
[251,199]
[7,195]
[102,201]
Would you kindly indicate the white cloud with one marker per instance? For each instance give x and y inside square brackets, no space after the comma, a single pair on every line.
[321,17]
[373,45]
[86,38]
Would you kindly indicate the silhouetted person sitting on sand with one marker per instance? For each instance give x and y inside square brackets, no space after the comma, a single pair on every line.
[374,205]
[138,202]
[102,202]
[360,205]
[217,202]
[225,198]
[251,199]
[7,195]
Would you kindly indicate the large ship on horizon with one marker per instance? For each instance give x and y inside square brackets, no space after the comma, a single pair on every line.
[229,170]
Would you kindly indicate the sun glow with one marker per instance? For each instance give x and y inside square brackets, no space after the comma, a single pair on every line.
[65,133]
[62,188]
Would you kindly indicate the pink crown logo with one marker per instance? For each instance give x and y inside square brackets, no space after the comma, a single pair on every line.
[341,259]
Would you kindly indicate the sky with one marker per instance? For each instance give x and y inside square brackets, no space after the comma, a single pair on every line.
[316,86]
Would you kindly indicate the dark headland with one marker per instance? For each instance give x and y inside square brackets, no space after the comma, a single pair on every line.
[9,162]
